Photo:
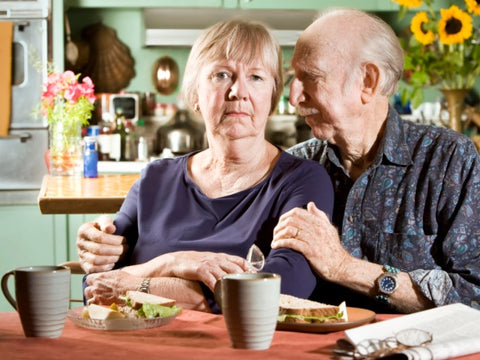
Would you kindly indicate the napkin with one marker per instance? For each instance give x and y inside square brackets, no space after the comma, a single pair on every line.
[6,40]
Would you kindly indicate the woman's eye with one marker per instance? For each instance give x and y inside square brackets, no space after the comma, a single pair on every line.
[221,75]
[256,77]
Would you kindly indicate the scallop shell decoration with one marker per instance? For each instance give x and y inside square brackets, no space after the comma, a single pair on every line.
[110,64]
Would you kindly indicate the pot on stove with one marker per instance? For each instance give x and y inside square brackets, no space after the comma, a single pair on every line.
[181,134]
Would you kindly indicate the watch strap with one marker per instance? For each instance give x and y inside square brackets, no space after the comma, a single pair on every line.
[145,286]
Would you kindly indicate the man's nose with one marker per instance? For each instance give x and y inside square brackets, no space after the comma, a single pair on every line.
[296,92]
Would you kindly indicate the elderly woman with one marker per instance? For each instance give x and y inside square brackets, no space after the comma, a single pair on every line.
[189,221]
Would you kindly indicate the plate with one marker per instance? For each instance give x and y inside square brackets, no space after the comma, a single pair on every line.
[75,315]
[356,317]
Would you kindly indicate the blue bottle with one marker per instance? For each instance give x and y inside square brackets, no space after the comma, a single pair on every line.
[90,157]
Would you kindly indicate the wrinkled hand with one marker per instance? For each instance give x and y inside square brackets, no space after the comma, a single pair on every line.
[311,233]
[207,267]
[105,288]
[98,249]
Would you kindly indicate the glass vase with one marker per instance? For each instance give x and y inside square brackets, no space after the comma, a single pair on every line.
[455,104]
[65,149]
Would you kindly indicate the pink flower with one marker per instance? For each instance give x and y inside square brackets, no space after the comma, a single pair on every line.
[64,91]
[87,89]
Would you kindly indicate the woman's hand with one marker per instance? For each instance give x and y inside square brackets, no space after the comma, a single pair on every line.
[198,266]
[98,249]
[204,266]
[311,233]
[105,288]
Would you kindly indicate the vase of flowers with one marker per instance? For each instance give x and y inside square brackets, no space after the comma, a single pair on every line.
[67,105]
[442,51]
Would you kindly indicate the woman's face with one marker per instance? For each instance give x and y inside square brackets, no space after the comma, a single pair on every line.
[235,98]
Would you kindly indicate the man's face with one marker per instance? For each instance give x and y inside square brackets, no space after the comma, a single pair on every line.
[322,88]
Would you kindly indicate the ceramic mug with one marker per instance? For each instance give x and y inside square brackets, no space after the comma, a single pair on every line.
[42,297]
[249,303]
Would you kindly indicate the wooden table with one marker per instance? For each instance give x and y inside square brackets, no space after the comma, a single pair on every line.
[192,335]
[79,195]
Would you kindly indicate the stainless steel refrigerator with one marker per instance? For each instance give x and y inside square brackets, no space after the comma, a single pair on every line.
[22,148]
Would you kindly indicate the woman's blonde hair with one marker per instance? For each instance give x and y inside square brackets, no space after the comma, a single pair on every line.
[240,40]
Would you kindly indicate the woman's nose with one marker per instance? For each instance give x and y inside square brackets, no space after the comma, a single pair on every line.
[296,92]
[238,90]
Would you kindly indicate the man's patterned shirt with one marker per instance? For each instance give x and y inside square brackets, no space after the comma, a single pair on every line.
[417,208]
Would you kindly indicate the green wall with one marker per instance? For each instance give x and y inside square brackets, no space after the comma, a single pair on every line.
[124,20]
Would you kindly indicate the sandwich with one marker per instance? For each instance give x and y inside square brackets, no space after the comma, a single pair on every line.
[136,299]
[137,305]
[293,310]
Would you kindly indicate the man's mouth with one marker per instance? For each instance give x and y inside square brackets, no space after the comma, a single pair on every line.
[307,111]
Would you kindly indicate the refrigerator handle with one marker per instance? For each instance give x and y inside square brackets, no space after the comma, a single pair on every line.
[23,137]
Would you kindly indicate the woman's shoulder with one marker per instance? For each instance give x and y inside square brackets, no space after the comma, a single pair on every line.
[291,165]
[165,166]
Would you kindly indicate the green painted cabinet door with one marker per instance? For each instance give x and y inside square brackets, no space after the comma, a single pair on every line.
[29,238]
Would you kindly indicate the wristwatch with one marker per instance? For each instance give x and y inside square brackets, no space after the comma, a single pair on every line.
[145,286]
[387,283]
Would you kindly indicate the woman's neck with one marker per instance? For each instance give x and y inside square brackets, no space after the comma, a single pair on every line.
[220,171]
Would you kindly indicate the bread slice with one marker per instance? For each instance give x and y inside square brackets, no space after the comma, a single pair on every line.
[299,310]
[138,298]
[98,312]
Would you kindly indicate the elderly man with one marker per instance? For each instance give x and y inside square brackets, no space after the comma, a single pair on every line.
[405,233]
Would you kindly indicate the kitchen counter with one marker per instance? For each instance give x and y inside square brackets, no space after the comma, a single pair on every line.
[78,195]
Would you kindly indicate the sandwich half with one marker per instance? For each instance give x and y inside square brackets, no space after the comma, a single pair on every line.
[138,298]
[302,311]
[137,305]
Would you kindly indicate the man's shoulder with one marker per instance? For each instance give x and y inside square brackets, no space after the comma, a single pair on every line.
[420,136]
[312,149]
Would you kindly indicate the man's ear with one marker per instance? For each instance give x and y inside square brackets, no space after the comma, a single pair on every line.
[371,79]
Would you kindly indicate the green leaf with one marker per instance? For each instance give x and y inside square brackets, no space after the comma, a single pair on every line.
[152,311]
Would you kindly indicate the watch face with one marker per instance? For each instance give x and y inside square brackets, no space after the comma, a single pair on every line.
[387,284]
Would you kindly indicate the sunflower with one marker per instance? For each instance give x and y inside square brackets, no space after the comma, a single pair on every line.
[473,6]
[409,3]
[417,28]
[455,26]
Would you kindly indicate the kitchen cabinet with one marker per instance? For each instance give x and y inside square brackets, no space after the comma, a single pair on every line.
[27,238]
[144,3]
[30,238]
[368,5]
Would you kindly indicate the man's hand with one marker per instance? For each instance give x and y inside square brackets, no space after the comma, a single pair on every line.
[311,233]
[98,249]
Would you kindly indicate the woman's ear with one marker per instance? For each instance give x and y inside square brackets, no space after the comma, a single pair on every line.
[371,80]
